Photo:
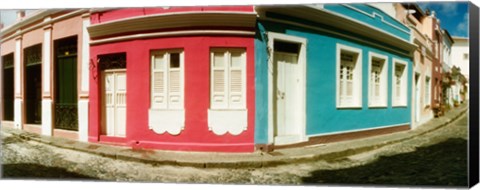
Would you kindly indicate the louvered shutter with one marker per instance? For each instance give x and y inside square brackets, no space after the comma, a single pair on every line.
[236,82]
[174,82]
[158,89]
[218,83]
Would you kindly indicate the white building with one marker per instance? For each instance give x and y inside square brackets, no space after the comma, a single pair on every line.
[460,57]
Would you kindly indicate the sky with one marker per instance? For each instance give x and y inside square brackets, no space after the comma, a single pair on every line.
[453,16]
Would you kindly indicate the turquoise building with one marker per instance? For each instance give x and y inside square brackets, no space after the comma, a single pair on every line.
[326,73]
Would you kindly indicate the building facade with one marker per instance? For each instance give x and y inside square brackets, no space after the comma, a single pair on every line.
[322,69]
[414,17]
[223,79]
[44,73]
[461,59]
[174,78]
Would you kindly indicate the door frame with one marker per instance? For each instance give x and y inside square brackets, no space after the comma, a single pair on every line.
[302,60]
[103,121]
[417,107]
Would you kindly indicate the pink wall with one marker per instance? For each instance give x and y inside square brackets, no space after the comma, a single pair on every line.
[7,47]
[32,38]
[133,12]
[196,135]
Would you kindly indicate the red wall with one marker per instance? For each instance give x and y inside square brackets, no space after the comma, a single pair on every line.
[195,135]
[133,12]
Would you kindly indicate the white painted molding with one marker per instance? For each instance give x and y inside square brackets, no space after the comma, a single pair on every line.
[85,81]
[17,69]
[171,121]
[357,101]
[384,81]
[83,120]
[47,125]
[376,14]
[231,121]
[404,99]
[173,20]
[173,33]
[33,18]
[46,63]
[302,61]
[323,16]
[18,119]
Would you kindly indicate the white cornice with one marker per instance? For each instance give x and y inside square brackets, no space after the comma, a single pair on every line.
[173,20]
[326,17]
[173,33]
[23,26]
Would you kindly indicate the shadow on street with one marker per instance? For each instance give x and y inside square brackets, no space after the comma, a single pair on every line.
[36,171]
[442,164]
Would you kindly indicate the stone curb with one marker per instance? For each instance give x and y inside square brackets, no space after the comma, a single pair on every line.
[254,160]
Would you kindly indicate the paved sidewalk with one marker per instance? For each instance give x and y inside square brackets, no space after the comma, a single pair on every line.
[256,159]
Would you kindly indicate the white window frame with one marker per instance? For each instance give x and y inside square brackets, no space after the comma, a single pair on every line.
[166,79]
[227,116]
[168,116]
[428,90]
[381,101]
[227,104]
[356,101]
[402,102]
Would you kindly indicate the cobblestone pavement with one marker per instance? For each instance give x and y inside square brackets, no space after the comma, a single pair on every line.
[436,158]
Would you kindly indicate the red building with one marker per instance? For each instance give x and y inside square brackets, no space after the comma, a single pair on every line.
[171,78]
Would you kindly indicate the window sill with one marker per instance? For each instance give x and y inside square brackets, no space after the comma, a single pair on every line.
[233,121]
[378,106]
[349,107]
[165,120]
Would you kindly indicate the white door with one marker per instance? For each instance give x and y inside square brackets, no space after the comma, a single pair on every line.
[114,102]
[287,108]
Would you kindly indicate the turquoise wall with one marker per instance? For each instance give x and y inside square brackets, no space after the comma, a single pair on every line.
[321,113]
[380,19]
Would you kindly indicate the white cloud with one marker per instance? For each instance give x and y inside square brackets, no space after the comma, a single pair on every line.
[462,27]
[448,8]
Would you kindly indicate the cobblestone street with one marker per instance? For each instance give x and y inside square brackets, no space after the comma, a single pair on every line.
[436,158]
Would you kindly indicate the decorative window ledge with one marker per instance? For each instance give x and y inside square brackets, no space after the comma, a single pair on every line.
[349,106]
[171,121]
[231,121]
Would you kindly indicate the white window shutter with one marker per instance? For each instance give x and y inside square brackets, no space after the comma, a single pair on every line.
[236,82]
[175,84]
[158,82]
[219,95]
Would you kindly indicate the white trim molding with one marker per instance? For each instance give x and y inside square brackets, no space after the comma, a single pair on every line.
[171,121]
[343,101]
[383,96]
[402,101]
[85,81]
[18,66]
[46,63]
[167,113]
[373,15]
[83,111]
[302,62]
[18,116]
[47,124]
[40,15]
[326,17]
[173,20]
[171,34]
[231,121]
